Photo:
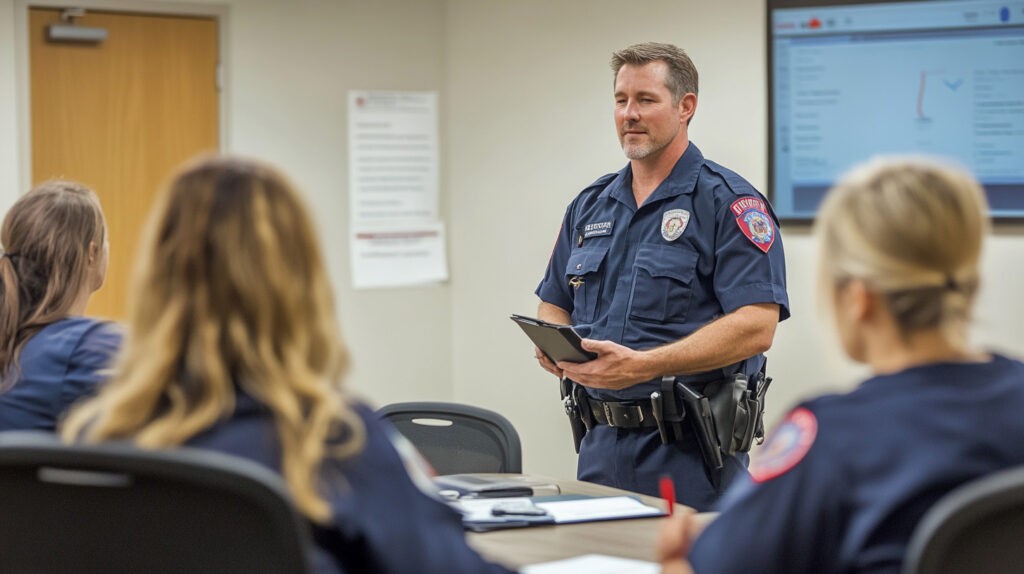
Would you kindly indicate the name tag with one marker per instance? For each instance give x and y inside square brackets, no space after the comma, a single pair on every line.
[597,229]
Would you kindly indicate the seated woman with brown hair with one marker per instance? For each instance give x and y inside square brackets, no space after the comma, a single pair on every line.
[844,479]
[234,346]
[54,257]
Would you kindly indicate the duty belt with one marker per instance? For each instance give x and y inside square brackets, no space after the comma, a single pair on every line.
[626,415]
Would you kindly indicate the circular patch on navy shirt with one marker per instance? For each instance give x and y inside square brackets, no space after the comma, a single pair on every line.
[786,446]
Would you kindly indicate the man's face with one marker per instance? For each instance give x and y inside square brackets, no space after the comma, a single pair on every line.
[645,116]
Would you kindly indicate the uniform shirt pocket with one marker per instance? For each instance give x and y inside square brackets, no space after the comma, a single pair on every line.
[584,277]
[662,278]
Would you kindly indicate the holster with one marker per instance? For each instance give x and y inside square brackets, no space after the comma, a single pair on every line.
[726,416]
[574,400]
[702,422]
[737,405]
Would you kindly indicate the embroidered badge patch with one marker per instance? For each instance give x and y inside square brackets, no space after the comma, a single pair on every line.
[673,223]
[752,217]
[786,447]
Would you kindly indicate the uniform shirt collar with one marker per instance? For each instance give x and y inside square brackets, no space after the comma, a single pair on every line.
[682,180]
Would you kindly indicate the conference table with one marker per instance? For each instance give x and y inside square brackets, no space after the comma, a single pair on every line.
[627,538]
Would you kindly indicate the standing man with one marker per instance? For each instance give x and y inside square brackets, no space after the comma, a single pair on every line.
[672,266]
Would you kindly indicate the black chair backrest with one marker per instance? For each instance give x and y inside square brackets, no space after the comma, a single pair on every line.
[457,438]
[116,508]
[977,528]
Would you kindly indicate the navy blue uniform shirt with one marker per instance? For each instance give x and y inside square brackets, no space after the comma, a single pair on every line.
[845,479]
[59,365]
[646,276]
[382,522]
[704,244]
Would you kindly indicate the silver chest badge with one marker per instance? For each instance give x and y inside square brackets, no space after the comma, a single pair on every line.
[673,223]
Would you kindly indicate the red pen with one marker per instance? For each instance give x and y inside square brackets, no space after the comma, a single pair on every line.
[668,492]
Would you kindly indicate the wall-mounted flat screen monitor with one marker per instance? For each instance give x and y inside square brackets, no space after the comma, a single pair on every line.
[849,80]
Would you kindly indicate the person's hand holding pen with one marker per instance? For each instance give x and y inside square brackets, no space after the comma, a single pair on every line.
[674,543]
[678,531]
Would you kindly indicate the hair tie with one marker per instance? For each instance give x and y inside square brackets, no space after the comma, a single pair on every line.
[951,283]
[8,254]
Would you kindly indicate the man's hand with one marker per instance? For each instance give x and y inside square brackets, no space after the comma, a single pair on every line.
[616,367]
[546,363]
[674,542]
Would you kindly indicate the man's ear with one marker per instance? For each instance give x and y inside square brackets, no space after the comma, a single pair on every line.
[687,107]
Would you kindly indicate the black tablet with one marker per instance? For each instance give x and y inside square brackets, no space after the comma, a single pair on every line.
[558,342]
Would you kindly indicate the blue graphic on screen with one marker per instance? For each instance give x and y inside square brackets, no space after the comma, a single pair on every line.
[849,82]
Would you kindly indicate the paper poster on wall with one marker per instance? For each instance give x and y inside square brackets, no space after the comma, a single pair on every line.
[397,239]
[393,156]
[398,255]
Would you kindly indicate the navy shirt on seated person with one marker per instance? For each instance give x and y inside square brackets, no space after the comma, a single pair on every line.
[63,362]
[845,479]
[383,522]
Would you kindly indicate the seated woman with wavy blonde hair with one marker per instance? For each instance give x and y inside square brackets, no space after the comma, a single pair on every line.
[234,346]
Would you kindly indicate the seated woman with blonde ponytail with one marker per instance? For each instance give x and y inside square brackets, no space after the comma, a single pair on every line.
[843,480]
[234,346]
[54,256]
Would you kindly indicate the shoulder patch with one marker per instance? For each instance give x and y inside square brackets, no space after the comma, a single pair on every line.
[753,219]
[786,446]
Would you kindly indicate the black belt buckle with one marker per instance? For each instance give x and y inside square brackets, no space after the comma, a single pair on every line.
[625,416]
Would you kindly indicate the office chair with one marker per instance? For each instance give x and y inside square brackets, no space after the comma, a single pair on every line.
[457,438]
[117,508]
[977,528]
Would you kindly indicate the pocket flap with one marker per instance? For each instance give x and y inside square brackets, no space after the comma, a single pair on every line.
[667,261]
[586,260]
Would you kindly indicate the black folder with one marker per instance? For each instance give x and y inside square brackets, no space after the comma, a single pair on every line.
[558,342]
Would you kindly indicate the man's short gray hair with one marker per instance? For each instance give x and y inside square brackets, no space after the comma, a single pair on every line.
[682,74]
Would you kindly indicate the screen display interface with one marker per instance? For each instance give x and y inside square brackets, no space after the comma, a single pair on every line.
[848,81]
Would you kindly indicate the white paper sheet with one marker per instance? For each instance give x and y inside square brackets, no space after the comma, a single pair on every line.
[396,237]
[593,564]
[393,157]
[597,508]
[398,255]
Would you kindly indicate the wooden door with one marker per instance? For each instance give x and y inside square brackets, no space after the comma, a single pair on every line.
[119,116]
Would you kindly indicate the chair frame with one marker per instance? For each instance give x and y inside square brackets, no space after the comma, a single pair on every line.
[119,465]
[960,511]
[511,445]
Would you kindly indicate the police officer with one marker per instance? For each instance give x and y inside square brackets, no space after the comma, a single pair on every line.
[672,266]
[844,479]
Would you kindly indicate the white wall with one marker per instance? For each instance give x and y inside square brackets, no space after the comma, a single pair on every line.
[526,123]
[8,128]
